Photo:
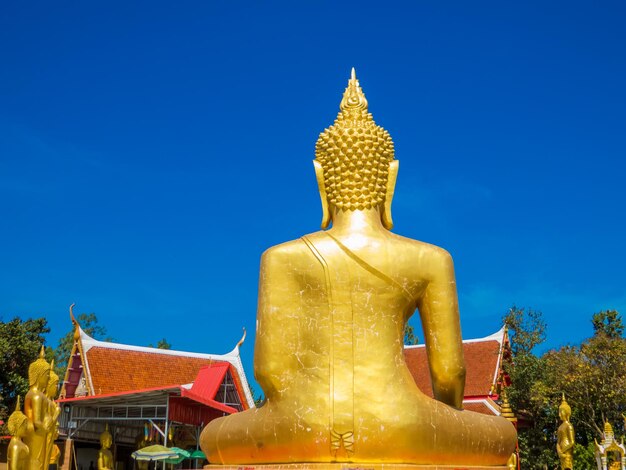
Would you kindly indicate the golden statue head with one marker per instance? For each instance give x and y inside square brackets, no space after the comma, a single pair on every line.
[53,382]
[106,439]
[354,160]
[18,422]
[564,409]
[39,372]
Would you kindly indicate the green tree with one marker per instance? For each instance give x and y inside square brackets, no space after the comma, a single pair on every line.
[593,378]
[410,338]
[592,375]
[161,344]
[89,324]
[609,323]
[20,343]
[259,397]
[527,330]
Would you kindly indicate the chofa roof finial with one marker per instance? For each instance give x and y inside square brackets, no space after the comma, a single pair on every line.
[243,338]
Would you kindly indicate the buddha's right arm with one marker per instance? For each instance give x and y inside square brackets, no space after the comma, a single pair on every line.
[276,322]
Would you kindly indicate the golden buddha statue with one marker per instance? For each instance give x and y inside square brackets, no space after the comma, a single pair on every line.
[565,437]
[105,456]
[37,409]
[331,314]
[54,410]
[19,427]
[143,440]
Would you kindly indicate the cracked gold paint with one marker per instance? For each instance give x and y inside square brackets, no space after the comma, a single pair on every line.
[329,346]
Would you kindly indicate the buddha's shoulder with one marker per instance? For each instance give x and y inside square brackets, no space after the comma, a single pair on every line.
[287,249]
[417,247]
[408,247]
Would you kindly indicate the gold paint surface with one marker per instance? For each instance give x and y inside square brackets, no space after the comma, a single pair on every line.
[330,326]
[343,466]
[565,437]
[34,431]
[105,456]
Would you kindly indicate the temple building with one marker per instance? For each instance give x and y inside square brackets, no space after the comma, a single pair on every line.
[150,395]
[145,395]
[485,377]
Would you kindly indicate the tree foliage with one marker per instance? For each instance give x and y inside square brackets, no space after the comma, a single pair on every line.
[20,343]
[527,329]
[592,375]
[410,338]
[161,344]
[608,323]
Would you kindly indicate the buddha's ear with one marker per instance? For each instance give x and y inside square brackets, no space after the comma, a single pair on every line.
[319,175]
[391,187]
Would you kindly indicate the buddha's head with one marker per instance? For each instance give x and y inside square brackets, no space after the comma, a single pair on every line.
[39,372]
[354,160]
[565,412]
[106,440]
[18,423]
[53,382]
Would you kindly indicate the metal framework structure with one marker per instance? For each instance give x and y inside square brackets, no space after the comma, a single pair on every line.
[83,419]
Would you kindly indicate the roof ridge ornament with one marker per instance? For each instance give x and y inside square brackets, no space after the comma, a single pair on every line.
[243,338]
[74,322]
[72,317]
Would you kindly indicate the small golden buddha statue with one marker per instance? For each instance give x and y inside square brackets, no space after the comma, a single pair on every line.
[143,440]
[105,456]
[331,314]
[54,410]
[37,409]
[19,427]
[565,437]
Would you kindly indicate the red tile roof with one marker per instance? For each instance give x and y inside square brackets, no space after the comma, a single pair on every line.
[102,367]
[478,407]
[118,370]
[481,363]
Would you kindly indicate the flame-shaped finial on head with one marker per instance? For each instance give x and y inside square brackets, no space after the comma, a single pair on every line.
[353,97]
[565,411]
[17,419]
[42,352]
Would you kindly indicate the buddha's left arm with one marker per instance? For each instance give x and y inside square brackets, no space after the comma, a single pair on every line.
[439,312]
[34,410]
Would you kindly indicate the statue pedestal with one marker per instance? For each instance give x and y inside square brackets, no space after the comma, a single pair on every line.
[351,466]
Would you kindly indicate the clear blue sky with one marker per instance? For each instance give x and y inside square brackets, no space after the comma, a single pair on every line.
[150,152]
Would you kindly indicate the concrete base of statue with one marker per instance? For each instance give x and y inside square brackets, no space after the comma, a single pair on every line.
[351,466]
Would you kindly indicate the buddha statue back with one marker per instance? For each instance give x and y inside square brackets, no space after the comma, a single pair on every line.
[330,326]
